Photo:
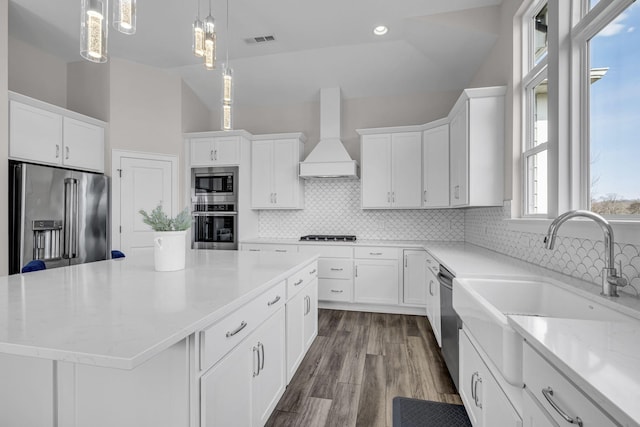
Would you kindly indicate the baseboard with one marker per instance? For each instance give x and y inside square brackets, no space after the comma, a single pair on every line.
[374,308]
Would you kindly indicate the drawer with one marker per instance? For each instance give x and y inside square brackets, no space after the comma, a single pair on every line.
[372,252]
[432,264]
[269,247]
[327,251]
[335,290]
[329,268]
[540,375]
[218,339]
[302,278]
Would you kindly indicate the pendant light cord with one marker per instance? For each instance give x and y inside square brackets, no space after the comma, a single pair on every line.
[227,33]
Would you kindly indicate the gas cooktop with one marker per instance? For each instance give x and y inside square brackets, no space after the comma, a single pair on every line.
[328,238]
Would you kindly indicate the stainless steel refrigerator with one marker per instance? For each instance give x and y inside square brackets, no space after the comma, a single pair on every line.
[59,216]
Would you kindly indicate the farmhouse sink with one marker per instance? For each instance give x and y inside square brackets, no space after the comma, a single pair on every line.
[483,304]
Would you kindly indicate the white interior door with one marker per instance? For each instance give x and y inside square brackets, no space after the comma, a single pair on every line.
[143,183]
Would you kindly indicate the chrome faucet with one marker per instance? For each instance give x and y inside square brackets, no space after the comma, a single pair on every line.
[610,278]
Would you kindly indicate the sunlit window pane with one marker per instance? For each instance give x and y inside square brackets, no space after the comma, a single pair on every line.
[614,121]
[540,114]
[537,183]
[540,22]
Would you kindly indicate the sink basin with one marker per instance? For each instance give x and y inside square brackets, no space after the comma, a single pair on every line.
[483,304]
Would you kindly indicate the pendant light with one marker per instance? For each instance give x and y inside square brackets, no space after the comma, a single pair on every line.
[227,86]
[93,31]
[209,41]
[124,16]
[198,35]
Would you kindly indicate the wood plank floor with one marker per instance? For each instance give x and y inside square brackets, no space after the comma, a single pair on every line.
[356,366]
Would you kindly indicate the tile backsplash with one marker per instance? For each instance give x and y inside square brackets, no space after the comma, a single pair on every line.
[332,206]
[581,258]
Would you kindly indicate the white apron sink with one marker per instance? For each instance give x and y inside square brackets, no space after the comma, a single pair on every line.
[483,304]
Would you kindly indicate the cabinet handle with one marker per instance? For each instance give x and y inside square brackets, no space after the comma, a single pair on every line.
[275,197]
[238,329]
[313,271]
[425,195]
[393,196]
[336,291]
[254,250]
[477,400]
[57,151]
[306,305]
[261,347]
[270,303]
[281,250]
[336,269]
[430,287]
[66,151]
[256,367]
[473,383]
[211,155]
[406,261]
[388,197]
[299,282]
[548,394]
[356,269]
[215,154]
[375,253]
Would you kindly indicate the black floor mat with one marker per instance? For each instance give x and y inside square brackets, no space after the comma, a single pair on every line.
[425,413]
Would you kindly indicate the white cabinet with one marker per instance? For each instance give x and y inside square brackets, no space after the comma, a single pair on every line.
[476,132]
[376,275]
[414,278]
[215,151]
[275,183]
[391,170]
[43,133]
[433,297]
[435,167]
[302,325]
[486,404]
[557,397]
[245,386]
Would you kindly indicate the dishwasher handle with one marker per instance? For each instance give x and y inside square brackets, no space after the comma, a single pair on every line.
[445,280]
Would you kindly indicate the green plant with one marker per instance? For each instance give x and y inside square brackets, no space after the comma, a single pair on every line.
[159,221]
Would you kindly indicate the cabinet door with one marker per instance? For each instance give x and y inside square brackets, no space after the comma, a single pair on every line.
[311,314]
[406,170]
[296,310]
[435,163]
[34,134]
[262,174]
[433,304]
[376,281]
[415,271]
[83,145]
[376,171]
[202,151]
[269,384]
[459,161]
[225,390]
[226,151]
[286,182]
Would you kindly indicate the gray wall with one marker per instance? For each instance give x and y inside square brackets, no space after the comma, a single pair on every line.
[4,135]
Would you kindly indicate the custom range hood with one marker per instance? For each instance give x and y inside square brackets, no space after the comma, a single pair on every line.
[329,158]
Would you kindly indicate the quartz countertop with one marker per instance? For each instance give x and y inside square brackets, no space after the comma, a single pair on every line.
[120,313]
[600,358]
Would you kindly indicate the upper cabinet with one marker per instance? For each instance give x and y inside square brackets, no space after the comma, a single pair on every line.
[476,132]
[43,133]
[215,151]
[275,183]
[435,164]
[391,170]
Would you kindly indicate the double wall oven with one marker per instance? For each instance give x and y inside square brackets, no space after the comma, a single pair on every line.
[214,206]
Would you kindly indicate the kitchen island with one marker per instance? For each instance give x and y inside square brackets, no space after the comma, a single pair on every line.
[117,343]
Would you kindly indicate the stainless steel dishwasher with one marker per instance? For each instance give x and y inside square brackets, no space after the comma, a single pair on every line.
[450,323]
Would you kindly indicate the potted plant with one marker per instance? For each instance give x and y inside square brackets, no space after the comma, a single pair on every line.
[169,237]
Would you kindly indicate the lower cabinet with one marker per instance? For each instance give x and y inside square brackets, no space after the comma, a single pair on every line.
[302,325]
[244,387]
[433,297]
[414,278]
[376,281]
[485,402]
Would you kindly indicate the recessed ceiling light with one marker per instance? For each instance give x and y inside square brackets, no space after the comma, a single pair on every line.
[380,30]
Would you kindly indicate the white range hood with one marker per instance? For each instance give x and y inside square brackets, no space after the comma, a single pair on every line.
[329,158]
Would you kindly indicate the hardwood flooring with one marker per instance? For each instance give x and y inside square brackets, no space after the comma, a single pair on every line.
[356,366]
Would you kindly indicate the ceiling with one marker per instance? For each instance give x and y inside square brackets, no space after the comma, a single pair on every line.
[432,45]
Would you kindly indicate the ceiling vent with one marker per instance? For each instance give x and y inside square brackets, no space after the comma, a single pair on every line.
[260,39]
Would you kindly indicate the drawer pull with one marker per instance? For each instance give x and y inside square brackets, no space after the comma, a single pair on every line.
[238,329]
[337,269]
[261,347]
[256,369]
[313,271]
[473,389]
[298,283]
[548,394]
[281,250]
[335,291]
[375,253]
[270,303]
[254,250]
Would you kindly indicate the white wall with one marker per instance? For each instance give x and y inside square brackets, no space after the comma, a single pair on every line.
[4,136]
[196,117]
[88,89]
[36,73]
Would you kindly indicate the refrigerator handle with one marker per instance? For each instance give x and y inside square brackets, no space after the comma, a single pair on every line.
[70,218]
[74,221]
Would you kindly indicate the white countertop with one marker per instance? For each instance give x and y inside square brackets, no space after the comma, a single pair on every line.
[119,313]
[601,358]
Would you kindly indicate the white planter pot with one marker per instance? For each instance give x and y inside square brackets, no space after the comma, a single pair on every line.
[169,250]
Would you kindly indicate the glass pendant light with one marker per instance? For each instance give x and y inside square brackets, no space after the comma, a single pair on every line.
[209,41]
[227,86]
[93,31]
[198,35]
[124,16]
